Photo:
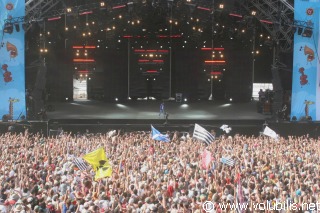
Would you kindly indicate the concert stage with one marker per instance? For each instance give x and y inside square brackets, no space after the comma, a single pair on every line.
[139,115]
[146,110]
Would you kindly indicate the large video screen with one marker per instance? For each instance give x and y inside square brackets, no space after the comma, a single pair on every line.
[12,60]
[305,104]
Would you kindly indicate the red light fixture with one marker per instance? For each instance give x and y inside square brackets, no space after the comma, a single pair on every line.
[54,18]
[143,60]
[157,61]
[216,48]
[203,8]
[118,7]
[266,21]
[85,13]
[215,61]
[235,15]
[84,47]
[82,60]
[215,73]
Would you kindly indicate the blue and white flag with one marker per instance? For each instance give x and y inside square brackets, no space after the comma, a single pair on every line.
[156,135]
[227,160]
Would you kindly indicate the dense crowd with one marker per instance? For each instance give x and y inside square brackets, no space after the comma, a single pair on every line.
[38,174]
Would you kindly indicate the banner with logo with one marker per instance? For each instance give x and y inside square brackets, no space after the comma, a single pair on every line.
[12,60]
[305,100]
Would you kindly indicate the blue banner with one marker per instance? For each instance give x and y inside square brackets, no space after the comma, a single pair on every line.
[305,83]
[12,60]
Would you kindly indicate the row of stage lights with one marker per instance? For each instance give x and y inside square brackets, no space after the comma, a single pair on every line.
[198,29]
[151,55]
[85,53]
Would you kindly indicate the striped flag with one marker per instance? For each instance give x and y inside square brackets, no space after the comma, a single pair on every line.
[80,163]
[227,160]
[202,134]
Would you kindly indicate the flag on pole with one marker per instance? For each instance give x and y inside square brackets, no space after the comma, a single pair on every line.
[99,162]
[269,132]
[156,135]
[80,163]
[202,134]
[227,160]
[206,159]
[240,199]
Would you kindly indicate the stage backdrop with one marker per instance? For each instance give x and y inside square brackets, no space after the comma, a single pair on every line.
[306,69]
[12,61]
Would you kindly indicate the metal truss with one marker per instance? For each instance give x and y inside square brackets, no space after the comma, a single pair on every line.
[37,9]
[277,18]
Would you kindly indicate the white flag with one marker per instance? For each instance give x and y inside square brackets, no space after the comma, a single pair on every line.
[269,132]
[202,134]
[226,128]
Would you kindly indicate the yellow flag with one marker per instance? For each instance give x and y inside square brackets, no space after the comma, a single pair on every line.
[99,162]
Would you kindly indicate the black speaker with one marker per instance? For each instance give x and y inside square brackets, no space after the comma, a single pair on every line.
[5,118]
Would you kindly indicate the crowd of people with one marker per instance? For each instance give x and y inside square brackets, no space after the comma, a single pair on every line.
[37,174]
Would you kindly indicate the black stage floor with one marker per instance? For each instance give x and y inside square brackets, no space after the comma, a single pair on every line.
[100,117]
[137,110]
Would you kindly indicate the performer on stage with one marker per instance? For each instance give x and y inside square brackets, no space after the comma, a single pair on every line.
[162,112]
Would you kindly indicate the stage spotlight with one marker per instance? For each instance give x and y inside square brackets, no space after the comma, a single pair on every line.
[300,29]
[17,26]
[102,4]
[307,32]
[185,99]
[230,99]
[8,28]
[116,99]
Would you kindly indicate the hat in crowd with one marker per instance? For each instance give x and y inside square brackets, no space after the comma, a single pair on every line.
[18,208]
[19,202]
[86,205]
[298,192]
